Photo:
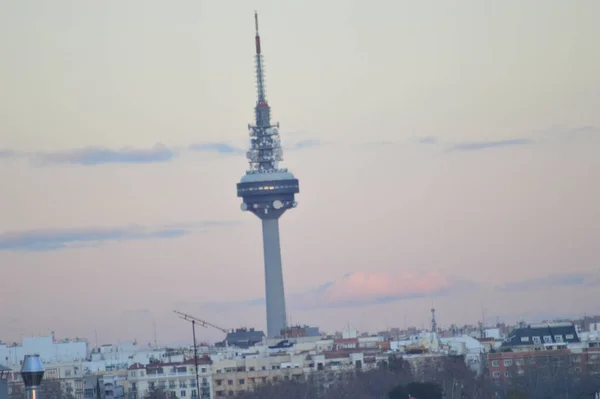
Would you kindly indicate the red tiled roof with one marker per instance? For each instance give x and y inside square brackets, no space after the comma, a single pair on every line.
[136,366]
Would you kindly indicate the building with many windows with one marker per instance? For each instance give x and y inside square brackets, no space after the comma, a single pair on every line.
[177,379]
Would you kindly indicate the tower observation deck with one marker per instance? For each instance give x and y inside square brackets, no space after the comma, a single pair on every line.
[268,191]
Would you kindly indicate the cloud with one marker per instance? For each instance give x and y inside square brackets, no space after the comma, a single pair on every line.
[305,144]
[53,239]
[224,148]
[101,155]
[372,287]
[557,280]
[7,154]
[220,148]
[378,143]
[484,145]
[360,289]
[427,140]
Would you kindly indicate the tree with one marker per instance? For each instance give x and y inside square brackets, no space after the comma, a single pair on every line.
[418,390]
[550,375]
[516,394]
[53,389]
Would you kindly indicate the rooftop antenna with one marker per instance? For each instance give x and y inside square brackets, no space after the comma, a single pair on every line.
[155,340]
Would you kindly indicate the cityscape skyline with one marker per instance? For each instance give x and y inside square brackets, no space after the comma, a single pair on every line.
[458,168]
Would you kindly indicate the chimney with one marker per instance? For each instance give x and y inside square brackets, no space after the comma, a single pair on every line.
[32,373]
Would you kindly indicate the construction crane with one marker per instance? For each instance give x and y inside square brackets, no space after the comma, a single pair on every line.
[201,322]
[205,324]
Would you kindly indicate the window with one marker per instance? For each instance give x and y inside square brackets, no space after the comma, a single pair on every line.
[536,340]
[495,363]
[496,374]
[520,362]
[507,374]
[569,336]
[194,393]
[524,339]
[230,393]
[508,362]
[241,381]
[219,382]
[558,338]
[229,382]
[182,393]
[547,339]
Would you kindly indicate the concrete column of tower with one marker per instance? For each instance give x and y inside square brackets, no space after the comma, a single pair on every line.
[275,292]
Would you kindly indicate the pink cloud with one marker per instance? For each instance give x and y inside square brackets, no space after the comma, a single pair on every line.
[367,287]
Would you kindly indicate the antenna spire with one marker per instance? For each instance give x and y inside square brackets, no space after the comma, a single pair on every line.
[256,22]
[260,78]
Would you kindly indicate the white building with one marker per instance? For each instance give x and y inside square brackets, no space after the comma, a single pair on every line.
[123,355]
[50,351]
[178,378]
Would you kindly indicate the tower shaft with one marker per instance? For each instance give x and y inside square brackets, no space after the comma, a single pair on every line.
[275,295]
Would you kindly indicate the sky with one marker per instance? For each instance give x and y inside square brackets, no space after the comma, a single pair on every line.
[447,154]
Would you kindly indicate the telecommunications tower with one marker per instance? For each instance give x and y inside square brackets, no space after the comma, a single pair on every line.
[268,191]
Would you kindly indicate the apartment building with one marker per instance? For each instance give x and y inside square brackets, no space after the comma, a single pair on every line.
[233,376]
[553,346]
[105,386]
[505,365]
[177,378]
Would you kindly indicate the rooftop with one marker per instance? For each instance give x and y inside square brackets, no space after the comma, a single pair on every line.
[538,334]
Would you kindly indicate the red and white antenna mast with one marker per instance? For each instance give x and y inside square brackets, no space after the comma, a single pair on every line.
[260,78]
